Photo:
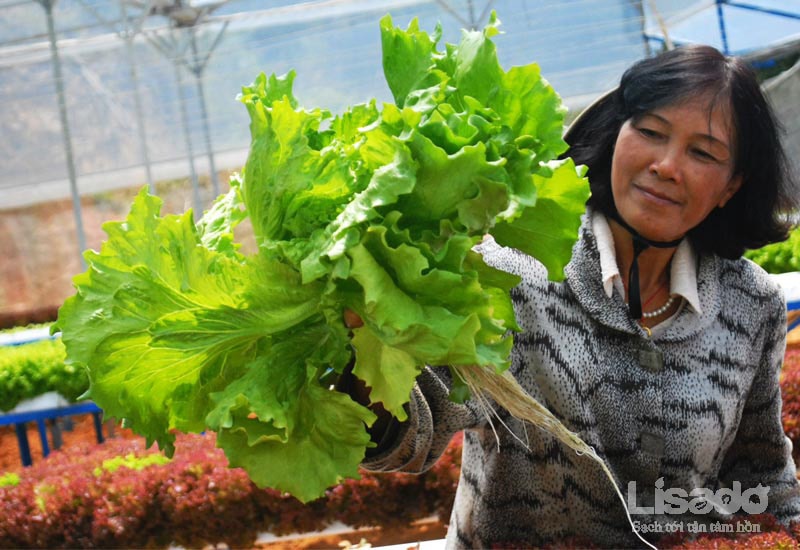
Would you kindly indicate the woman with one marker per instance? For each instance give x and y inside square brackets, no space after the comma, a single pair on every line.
[661,348]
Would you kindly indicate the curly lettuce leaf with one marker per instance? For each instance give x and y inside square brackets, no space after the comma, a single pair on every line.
[160,320]
[551,226]
[406,57]
[215,228]
[377,210]
[276,420]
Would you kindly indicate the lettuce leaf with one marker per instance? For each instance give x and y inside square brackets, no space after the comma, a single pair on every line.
[377,210]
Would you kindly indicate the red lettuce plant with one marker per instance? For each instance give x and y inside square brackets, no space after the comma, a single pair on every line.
[770,534]
[119,495]
[116,495]
[790,390]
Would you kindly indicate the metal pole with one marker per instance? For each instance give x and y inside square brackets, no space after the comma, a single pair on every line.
[472,23]
[137,103]
[764,9]
[170,49]
[198,203]
[198,77]
[62,109]
[137,100]
[449,9]
[638,5]
[662,25]
[723,35]
[485,12]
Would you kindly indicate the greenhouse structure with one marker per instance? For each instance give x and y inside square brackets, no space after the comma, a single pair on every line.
[250,277]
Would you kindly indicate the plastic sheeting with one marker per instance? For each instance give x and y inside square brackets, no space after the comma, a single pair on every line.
[783,92]
[743,27]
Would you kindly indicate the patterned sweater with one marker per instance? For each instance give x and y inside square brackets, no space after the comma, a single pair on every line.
[707,414]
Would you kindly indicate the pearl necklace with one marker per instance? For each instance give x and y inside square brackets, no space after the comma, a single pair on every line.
[660,311]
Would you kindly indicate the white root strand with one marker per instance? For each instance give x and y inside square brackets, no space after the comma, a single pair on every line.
[507,393]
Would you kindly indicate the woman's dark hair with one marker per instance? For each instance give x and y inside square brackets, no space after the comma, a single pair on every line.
[759,212]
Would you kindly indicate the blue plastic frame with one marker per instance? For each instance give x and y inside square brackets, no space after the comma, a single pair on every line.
[792,306]
[721,20]
[20,419]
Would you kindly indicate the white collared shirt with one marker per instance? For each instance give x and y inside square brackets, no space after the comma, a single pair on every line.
[683,268]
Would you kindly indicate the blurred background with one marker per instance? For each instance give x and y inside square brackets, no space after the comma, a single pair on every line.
[99,98]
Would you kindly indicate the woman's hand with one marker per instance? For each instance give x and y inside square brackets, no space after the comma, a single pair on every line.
[348,383]
[384,429]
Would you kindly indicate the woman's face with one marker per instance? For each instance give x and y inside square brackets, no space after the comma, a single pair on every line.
[672,166]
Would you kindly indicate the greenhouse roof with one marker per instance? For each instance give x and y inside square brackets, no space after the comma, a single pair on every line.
[139,109]
[737,27]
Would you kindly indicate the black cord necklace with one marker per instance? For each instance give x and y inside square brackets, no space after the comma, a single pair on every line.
[640,244]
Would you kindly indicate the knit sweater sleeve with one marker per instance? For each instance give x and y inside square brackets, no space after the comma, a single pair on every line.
[761,453]
[433,419]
